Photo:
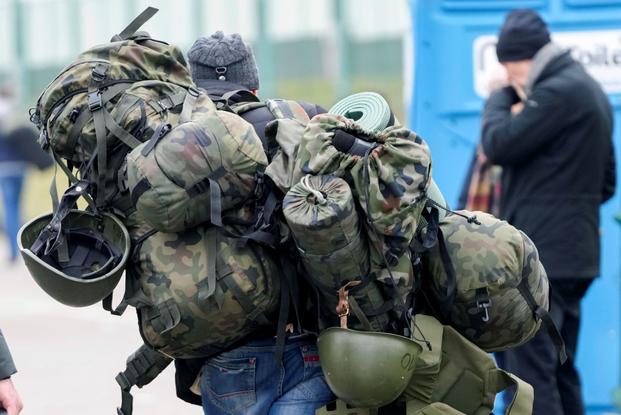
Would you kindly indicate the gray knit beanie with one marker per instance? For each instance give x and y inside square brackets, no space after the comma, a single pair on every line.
[226,58]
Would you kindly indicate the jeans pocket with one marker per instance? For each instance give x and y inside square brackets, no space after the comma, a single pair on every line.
[312,365]
[229,383]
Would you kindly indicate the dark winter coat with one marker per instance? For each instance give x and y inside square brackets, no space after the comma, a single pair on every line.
[558,164]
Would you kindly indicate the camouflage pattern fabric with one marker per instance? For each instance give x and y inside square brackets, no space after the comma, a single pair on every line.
[489,260]
[170,180]
[124,62]
[321,214]
[390,184]
[182,319]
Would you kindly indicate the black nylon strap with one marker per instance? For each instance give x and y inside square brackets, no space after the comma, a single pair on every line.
[547,321]
[142,186]
[446,301]
[135,24]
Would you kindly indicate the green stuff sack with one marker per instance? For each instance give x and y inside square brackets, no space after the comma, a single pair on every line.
[500,289]
[453,371]
[389,180]
[196,171]
[200,291]
[322,216]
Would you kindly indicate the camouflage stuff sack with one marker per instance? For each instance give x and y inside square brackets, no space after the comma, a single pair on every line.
[389,177]
[201,291]
[486,281]
[194,172]
[324,223]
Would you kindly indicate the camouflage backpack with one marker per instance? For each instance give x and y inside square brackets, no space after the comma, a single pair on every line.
[485,279]
[108,101]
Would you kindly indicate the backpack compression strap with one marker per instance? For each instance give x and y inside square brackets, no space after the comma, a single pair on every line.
[142,367]
[135,24]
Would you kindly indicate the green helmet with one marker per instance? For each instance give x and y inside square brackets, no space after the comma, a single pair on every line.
[76,256]
[366,369]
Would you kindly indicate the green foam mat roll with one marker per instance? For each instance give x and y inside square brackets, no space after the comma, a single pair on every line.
[369,109]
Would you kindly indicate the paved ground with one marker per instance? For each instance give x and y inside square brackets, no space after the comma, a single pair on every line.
[68,357]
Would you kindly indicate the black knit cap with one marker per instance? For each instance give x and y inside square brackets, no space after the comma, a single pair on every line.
[521,36]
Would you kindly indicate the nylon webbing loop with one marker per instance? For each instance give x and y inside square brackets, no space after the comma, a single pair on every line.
[188,104]
[135,24]
[548,323]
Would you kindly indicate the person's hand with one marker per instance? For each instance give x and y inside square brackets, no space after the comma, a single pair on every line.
[9,398]
[517,108]
[497,79]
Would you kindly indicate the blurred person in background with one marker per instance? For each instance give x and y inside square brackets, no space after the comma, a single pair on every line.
[18,149]
[225,67]
[551,131]
[9,398]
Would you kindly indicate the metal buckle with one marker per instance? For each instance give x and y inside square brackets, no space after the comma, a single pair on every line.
[95,102]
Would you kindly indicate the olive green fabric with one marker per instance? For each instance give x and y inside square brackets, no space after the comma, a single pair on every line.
[201,290]
[436,408]
[324,223]
[490,261]
[366,369]
[457,373]
[77,290]
[172,180]
[123,61]
[390,184]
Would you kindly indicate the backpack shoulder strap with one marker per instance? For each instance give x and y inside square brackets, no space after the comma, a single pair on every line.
[281,108]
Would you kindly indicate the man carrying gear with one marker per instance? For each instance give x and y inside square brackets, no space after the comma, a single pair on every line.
[248,379]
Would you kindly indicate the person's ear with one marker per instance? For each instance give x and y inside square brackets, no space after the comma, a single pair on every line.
[254,91]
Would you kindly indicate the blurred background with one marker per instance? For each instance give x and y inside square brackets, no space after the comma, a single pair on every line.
[429,58]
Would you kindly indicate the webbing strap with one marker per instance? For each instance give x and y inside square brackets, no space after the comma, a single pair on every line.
[188,104]
[135,24]
[522,402]
[142,367]
[205,292]
[547,321]
[357,310]
[119,132]
[451,280]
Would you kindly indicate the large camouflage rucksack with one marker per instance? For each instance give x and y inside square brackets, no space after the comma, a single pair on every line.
[486,280]
[90,114]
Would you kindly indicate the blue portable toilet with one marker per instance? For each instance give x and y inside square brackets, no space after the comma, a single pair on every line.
[453,56]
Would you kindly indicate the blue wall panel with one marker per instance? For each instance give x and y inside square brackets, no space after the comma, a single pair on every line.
[446,110]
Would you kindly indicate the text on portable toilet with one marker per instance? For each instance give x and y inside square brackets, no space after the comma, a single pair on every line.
[599,51]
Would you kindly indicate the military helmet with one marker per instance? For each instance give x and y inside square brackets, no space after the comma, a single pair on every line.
[366,369]
[78,260]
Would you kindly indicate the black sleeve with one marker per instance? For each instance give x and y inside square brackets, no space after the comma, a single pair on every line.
[610,175]
[7,367]
[510,139]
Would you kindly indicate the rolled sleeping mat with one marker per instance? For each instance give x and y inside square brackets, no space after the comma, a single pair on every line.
[371,111]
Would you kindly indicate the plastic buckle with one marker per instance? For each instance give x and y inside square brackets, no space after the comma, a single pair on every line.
[97,74]
[193,91]
[95,102]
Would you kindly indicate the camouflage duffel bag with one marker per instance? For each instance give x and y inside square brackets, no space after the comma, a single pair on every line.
[389,171]
[486,281]
[192,173]
[200,291]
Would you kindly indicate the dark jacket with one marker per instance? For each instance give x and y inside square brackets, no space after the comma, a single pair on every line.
[186,370]
[558,164]
[7,367]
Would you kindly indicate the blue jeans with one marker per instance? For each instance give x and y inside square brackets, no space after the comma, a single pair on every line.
[249,381]
[11,193]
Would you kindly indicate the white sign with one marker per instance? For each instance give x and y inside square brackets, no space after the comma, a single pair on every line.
[599,51]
